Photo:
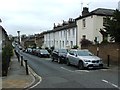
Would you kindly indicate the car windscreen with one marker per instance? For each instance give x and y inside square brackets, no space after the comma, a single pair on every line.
[84,53]
[44,51]
[62,51]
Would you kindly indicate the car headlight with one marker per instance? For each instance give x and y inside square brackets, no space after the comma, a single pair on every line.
[87,60]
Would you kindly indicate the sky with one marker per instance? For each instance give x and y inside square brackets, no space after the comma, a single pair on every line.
[35,16]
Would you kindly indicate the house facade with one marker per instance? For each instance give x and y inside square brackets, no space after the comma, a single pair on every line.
[3,37]
[0,38]
[90,24]
[62,36]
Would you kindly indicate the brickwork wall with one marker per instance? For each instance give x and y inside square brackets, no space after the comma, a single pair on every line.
[112,49]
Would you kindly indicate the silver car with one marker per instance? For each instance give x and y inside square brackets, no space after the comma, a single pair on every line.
[83,59]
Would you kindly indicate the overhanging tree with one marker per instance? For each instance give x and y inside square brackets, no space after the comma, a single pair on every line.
[113,26]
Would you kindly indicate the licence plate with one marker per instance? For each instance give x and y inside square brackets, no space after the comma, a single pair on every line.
[95,65]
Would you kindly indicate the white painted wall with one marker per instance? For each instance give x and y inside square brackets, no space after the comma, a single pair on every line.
[59,38]
[93,25]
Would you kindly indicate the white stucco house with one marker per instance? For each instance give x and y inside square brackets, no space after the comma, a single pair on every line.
[3,36]
[62,36]
[90,23]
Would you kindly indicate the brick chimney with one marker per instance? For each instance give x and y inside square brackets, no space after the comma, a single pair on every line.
[54,26]
[85,11]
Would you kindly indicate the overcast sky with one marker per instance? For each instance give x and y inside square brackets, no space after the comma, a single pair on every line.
[35,16]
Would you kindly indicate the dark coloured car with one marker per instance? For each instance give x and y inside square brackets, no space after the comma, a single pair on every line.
[34,51]
[28,50]
[43,53]
[59,55]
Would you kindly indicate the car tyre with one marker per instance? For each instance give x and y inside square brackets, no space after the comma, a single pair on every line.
[53,59]
[80,65]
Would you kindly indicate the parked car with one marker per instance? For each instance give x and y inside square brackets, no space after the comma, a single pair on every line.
[43,53]
[34,51]
[59,55]
[28,50]
[83,59]
[37,51]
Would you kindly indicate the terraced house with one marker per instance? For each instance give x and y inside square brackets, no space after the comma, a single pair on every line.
[62,36]
[90,24]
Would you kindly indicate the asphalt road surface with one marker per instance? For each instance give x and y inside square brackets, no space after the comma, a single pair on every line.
[56,75]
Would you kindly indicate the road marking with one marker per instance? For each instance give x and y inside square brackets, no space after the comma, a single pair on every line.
[74,70]
[104,69]
[35,75]
[32,77]
[111,84]
[82,71]
[67,69]
[48,59]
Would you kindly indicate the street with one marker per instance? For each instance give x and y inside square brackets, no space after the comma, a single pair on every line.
[56,75]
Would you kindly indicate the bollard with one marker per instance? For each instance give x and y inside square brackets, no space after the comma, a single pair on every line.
[97,51]
[21,60]
[18,56]
[27,73]
[108,60]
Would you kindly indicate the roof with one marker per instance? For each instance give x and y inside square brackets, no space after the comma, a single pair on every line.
[3,30]
[60,28]
[99,12]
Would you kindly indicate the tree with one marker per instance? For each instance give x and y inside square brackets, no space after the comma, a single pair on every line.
[75,47]
[85,42]
[113,26]
[7,53]
[52,48]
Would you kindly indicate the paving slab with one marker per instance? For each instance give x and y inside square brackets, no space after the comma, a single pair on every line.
[16,77]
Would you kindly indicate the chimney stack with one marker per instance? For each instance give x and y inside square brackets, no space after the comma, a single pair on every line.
[85,11]
[54,26]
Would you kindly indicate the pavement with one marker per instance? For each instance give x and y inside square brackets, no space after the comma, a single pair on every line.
[17,77]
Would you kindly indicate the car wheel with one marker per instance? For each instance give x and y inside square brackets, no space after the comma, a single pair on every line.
[68,62]
[52,59]
[80,65]
[59,61]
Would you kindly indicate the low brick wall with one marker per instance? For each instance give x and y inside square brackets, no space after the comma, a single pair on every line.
[112,49]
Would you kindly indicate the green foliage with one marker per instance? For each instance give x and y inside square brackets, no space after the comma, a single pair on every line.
[75,47]
[46,48]
[104,42]
[34,45]
[52,48]
[85,42]
[40,48]
[113,26]
[7,53]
